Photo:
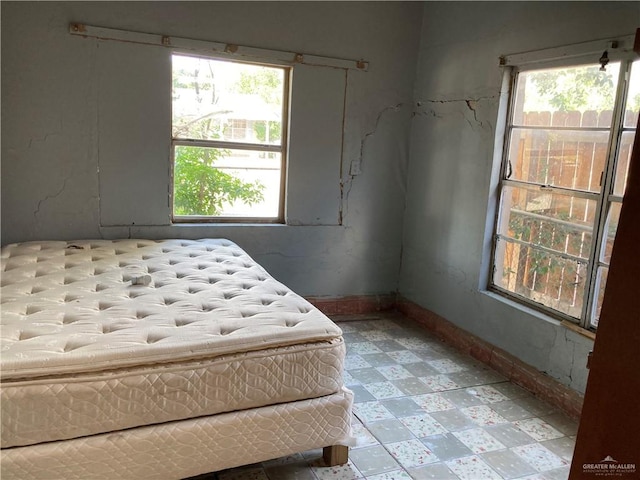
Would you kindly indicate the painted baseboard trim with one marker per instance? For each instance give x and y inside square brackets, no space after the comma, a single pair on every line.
[542,386]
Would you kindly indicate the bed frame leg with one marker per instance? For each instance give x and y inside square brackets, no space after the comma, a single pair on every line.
[335,455]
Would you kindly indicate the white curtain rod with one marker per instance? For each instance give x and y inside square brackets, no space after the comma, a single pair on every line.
[620,47]
[217,48]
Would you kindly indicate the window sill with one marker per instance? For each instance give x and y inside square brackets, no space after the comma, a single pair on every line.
[522,307]
[541,315]
[200,220]
[226,224]
[578,329]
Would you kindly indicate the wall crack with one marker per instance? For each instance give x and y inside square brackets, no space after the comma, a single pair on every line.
[49,197]
[355,166]
[419,108]
[45,137]
[471,105]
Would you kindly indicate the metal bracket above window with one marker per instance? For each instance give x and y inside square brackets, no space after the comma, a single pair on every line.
[220,49]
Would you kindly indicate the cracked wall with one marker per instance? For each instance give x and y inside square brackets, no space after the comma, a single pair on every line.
[49,163]
[451,164]
[389,131]
[86,131]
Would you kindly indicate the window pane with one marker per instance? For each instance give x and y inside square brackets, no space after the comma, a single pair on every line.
[539,231]
[556,222]
[572,97]
[633,97]
[568,158]
[622,165]
[535,274]
[226,182]
[611,226]
[229,101]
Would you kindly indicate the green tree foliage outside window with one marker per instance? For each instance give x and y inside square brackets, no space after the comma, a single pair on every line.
[576,88]
[201,189]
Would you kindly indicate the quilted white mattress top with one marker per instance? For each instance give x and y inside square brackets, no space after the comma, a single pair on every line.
[86,306]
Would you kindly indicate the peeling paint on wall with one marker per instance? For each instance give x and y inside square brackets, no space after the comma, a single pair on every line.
[466,105]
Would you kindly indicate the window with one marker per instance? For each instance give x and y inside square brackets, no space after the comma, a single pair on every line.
[228,138]
[566,155]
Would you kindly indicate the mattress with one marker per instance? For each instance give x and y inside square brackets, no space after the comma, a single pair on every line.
[100,336]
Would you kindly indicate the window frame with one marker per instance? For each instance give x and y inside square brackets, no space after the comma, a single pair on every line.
[564,57]
[282,149]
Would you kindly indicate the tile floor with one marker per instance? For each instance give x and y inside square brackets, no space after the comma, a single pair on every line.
[424,411]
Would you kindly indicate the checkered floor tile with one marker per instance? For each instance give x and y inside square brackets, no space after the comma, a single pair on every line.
[422,411]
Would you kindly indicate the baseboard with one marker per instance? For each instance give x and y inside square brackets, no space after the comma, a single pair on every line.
[542,386]
[354,305]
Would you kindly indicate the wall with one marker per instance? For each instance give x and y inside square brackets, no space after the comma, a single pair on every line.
[451,177]
[86,131]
